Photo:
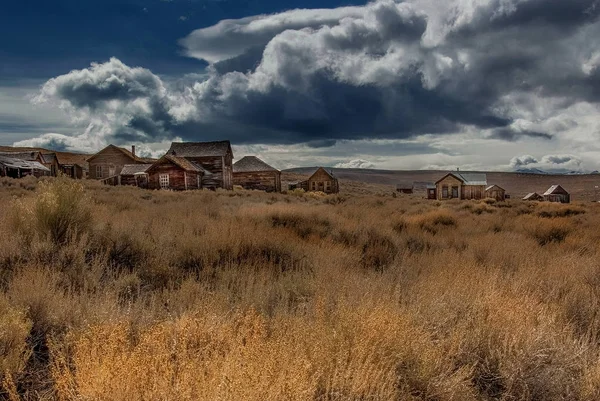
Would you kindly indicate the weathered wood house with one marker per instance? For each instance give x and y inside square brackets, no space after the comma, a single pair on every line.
[457,185]
[175,173]
[322,181]
[495,192]
[71,164]
[252,173]
[533,196]
[214,157]
[19,168]
[135,175]
[556,193]
[110,161]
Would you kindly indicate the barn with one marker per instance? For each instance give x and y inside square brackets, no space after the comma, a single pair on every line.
[176,173]
[457,185]
[533,196]
[495,192]
[213,157]
[252,173]
[556,193]
[19,168]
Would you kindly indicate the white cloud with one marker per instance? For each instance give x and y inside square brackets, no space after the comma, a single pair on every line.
[357,163]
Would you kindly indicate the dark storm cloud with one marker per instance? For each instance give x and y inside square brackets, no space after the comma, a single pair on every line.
[387,70]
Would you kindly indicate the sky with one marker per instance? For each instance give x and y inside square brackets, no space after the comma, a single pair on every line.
[387,84]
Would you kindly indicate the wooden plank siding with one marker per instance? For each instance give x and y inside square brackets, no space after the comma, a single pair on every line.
[108,162]
[220,166]
[269,181]
[179,179]
[451,187]
[323,182]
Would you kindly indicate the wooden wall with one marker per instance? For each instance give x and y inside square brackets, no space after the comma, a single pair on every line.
[177,177]
[473,192]
[221,167]
[108,158]
[269,181]
[496,193]
[448,182]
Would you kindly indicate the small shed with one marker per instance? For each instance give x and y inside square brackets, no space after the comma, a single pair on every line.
[176,173]
[495,192]
[556,193]
[18,168]
[252,173]
[134,174]
[533,196]
[425,189]
[405,188]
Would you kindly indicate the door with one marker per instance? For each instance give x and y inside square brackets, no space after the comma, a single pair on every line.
[111,171]
[163,180]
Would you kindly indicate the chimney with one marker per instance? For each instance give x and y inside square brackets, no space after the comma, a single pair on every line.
[133,150]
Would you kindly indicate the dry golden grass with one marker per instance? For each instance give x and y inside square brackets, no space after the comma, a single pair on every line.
[241,295]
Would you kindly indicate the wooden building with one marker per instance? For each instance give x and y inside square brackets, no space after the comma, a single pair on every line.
[135,175]
[19,168]
[214,157]
[495,192]
[30,156]
[110,161]
[72,165]
[556,193]
[457,185]
[322,181]
[405,188]
[176,173]
[533,196]
[252,173]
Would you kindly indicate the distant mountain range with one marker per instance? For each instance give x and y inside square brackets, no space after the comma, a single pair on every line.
[553,172]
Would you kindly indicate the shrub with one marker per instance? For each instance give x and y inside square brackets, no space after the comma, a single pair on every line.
[59,211]
[548,232]
[14,330]
[433,220]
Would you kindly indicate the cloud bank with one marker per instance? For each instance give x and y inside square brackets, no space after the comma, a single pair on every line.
[387,70]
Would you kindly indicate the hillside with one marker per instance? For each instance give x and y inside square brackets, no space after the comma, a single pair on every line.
[516,184]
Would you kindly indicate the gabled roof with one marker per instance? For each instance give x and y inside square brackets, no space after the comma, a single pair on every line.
[532,195]
[251,164]
[200,149]
[122,150]
[179,162]
[468,178]
[131,169]
[14,162]
[29,156]
[555,188]
[329,173]
[49,158]
[492,187]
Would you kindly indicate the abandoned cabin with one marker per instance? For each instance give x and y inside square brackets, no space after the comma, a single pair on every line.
[174,172]
[320,181]
[533,196]
[495,192]
[556,193]
[215,158]
[19,168]
[252,173]
[457,185]
[108,163]
[134,174]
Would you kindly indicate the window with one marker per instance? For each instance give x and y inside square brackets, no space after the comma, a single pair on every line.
[98,171]
[314,186]
[163,180]
[328,185]
[445,191]
[198,181]
[111,171]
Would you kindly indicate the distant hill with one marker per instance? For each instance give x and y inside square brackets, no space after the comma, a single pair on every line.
[517,184]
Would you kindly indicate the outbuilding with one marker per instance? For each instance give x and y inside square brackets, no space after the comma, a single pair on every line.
[533,196]
[495,192]
[556,193]
[176,173]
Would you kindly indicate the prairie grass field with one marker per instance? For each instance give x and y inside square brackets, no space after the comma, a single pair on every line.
[113,293]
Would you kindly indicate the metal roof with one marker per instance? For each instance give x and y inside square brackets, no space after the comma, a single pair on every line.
[531,195]
[199,149]
[492,186]
[472,178]
[131,169]
[13,162]
[554,188]
[251,164]
[29,156]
